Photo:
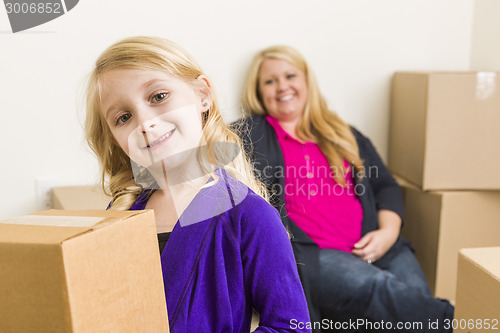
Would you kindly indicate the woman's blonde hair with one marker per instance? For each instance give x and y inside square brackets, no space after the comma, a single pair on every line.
[318,123]
[163,55]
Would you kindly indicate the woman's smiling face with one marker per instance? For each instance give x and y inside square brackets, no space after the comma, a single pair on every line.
[283,89]
[153,115]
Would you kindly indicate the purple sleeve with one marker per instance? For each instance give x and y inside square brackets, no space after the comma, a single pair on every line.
[270,270]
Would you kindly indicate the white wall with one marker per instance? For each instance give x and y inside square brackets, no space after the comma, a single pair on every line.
[353,46]
[485,49]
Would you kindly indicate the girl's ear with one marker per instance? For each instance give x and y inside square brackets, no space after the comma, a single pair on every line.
[205,92]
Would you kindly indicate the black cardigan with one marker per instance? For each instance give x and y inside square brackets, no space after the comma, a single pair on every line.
[381,191]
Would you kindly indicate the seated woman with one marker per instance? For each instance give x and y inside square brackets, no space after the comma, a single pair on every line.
[152,120]
[335,197]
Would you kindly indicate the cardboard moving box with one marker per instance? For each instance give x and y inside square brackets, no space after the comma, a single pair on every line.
[478,290]
[79,197]
[81,271]
[439,224]
[444,129]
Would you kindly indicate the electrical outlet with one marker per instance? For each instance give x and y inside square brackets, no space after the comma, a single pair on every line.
[43,195]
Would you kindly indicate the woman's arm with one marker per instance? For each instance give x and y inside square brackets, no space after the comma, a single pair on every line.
[389,203]
[385,188]
[375,244]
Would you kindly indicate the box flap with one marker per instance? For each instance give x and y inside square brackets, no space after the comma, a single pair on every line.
[35,234]
[486,257]
[55,226]
[55,221]
[96,213]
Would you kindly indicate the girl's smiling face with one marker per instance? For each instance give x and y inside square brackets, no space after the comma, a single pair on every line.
[153,115]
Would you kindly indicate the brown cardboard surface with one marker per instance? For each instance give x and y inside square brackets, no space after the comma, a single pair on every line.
[407,126]
[444,129]
[439,224]
[115,214]
[79,197]
[34,234]
[488,258]
[33,299]
[422,218]
[478,289]
[103,278]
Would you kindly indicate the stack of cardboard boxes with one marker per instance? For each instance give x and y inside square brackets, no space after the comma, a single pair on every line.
[445,144]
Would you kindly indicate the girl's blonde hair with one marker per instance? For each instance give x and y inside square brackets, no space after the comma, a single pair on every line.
[163,55]
[318,124]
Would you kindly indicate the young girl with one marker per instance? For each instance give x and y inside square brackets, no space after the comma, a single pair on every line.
[153,122]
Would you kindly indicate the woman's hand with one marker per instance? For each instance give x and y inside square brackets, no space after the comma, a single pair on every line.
[375,244]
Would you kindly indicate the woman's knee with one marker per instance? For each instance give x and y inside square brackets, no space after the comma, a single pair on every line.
[344,282]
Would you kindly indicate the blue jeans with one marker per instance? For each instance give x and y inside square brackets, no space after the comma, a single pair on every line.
[351,289]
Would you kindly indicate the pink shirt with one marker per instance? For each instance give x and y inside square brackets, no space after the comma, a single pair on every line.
[331,215]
